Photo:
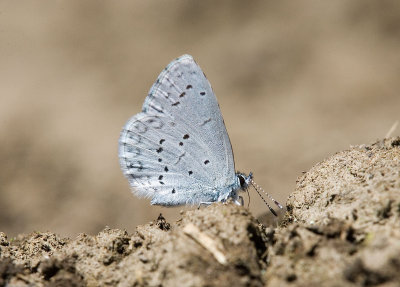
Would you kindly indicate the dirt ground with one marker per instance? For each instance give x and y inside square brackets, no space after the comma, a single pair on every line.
[341,228]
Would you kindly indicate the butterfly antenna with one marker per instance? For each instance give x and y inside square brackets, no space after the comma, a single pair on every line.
[258,188]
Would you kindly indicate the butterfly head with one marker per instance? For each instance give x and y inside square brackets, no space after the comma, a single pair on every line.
[244,180]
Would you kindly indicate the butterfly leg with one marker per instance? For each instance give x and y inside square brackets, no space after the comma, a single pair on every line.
[239,201]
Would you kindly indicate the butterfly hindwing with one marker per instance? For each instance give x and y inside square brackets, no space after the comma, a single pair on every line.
[157,166]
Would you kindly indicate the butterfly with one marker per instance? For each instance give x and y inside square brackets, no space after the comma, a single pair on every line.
[177,150]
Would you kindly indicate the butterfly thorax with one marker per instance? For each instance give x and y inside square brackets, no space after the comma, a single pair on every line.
[244,180]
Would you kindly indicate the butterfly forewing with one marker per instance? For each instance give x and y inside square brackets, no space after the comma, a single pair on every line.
[177,151]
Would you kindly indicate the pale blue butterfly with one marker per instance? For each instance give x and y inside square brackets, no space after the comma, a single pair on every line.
[177,150]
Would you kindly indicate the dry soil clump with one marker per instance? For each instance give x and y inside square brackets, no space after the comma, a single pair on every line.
[342,228]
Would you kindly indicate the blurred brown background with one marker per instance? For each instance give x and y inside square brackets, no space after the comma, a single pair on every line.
[296,82]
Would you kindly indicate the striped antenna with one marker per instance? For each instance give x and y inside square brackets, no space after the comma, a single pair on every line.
[258,188]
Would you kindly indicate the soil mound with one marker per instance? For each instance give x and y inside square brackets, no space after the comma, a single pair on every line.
[342,228]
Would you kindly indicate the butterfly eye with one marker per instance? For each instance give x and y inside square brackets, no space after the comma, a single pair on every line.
[242,181]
